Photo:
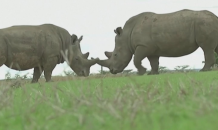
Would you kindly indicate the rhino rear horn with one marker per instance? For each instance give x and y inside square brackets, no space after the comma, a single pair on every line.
[118,30]
[108,54]
[86,55]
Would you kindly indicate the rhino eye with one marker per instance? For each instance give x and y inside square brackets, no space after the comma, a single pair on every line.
[115,54]
[76,58]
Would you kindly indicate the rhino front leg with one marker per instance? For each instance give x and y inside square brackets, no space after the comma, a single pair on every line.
[154,62]
[36,74]
[48,68]
[140,53]
[209,60]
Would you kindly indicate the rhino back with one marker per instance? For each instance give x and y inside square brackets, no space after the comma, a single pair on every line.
[175,30]
[30,46]
[60,38]
[129,26]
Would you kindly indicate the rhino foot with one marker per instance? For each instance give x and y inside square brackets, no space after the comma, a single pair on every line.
[153,73]
[34,81]
[141,71]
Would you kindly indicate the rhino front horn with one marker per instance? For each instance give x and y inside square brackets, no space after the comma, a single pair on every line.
[93,61]
[105,63]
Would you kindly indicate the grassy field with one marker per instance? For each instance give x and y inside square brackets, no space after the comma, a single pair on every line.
[178,101]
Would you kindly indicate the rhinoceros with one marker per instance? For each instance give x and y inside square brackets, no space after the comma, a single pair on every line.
[154,35]
[42,47]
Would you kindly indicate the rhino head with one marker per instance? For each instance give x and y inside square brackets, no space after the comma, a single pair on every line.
[120,57]
[78,61]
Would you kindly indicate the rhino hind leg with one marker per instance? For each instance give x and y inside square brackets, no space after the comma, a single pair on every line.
[37,73]
[48,68]
[154,62]
[209,60]
[2,60]
[3,52]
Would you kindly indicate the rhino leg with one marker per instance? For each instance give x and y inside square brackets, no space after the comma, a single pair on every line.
[3,52]
[154,62]
[2,60]
[48,68]
[36,74]
[140,54]
[209,60]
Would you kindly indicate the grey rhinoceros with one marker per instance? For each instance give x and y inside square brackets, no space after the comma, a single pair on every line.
[153,35]
[42,47]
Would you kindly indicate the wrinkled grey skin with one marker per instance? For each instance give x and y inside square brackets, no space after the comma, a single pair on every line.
[42,47]
[168,35]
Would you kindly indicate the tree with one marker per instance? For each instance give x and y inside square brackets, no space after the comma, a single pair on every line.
[181,68]
[162,69]
[17,76]
[8,75]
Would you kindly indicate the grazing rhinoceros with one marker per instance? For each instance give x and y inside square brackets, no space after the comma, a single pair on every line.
[42,47]
[169,35]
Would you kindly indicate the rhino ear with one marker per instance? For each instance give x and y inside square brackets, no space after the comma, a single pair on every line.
[74,38]
[81,38]
[118,30]
[108,54]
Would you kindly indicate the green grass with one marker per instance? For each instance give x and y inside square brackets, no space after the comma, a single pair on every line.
[179,101]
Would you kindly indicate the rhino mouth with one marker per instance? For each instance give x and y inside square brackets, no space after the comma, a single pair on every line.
[117,69]
[114,71]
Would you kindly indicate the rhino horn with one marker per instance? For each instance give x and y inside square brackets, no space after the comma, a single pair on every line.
[86,55]
[108,54]
[93,61]
[118,30]
[105,63]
